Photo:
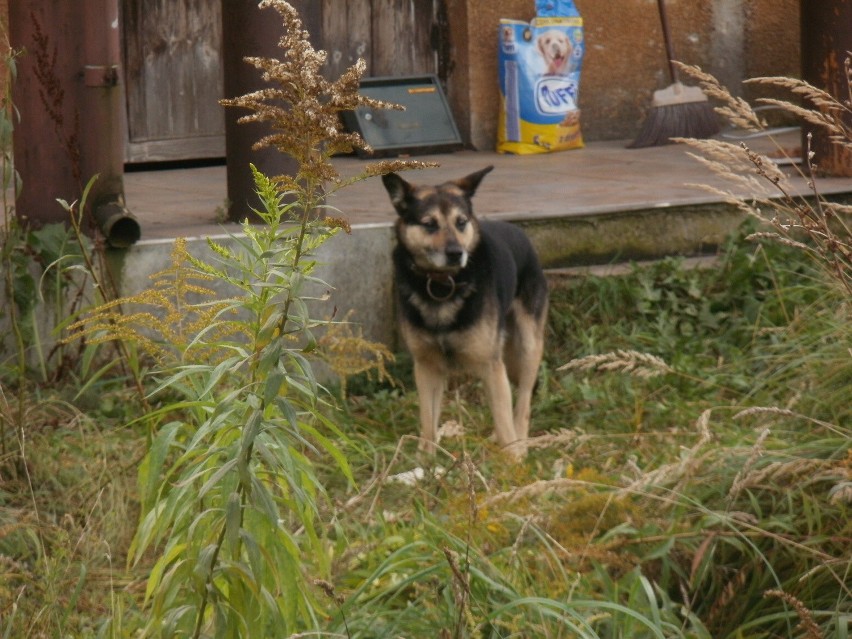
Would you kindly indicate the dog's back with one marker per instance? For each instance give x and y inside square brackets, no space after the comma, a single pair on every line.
[515,266]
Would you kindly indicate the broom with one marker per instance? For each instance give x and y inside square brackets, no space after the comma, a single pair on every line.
[677,111]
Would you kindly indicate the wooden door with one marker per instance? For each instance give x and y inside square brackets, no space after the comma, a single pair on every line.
[173,79]
[173,65]
[395,37]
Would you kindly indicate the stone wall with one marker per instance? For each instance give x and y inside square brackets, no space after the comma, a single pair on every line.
[625,55]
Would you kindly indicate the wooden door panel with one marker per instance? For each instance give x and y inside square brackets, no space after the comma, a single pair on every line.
[393,36]
[173,72]
[347,34]
[402,37]
[173,66]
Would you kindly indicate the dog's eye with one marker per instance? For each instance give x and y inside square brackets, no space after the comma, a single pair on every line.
[430,225]
[461,223]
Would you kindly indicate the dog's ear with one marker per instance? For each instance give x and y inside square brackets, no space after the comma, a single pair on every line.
[469,183]
[399,190]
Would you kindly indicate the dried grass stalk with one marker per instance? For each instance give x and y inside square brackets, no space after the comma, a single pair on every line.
[631,362]
[823,229]
[807,624]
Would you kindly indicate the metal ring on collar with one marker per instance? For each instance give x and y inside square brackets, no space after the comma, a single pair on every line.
[450,282]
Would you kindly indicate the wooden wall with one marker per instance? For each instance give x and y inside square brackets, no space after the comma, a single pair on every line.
[173,78]
[393,36]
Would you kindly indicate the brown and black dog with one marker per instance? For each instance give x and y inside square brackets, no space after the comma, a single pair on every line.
[472,297]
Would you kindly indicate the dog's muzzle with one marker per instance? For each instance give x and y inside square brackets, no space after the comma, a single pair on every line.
[456,255]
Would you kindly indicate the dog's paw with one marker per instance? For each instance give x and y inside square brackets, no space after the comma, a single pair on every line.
[516,451]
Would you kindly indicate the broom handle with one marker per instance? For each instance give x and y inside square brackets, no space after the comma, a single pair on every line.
[667,37]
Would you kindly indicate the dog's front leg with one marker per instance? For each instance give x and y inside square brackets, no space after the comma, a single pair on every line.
[431,381]
[500,400]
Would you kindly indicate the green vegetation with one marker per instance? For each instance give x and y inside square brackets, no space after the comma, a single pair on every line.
[686,488]
[690,473]
[707,499]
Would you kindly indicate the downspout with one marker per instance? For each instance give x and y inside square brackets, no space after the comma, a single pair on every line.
[102,149]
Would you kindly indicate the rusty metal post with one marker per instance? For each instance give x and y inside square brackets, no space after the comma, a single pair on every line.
[250,31]
[826,31]
[70,101]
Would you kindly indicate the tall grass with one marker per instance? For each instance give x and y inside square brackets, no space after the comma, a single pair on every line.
[703,500]
[668,506]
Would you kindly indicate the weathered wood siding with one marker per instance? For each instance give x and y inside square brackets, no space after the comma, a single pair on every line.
[346,33]
[173,66]
[393,36]
[173,73]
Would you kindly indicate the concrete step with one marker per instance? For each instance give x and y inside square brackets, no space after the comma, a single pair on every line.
[600,205]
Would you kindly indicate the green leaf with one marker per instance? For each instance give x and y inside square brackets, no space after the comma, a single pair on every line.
[272,387]
[214,480]
[151,468]
[262,499]
[165,561]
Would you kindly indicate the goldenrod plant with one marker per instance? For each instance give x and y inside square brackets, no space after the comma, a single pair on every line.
[163,320]
[231,501]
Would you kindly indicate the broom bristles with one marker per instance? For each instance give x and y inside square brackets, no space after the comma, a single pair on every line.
[686,114]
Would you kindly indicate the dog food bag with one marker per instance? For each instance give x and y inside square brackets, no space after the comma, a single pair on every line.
[539,64]
[555,8]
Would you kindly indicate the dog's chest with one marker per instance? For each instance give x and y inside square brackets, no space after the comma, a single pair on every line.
[459,349]
[436,315]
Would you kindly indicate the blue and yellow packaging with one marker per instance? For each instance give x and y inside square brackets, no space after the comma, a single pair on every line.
[539,65]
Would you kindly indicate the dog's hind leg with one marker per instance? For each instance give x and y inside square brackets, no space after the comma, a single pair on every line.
[524,351]
[500,400]
[431,382]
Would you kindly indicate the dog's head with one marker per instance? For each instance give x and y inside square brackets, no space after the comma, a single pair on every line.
[555,48]
[436,224]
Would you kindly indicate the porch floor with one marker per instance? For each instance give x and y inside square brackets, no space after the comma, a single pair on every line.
[602,178]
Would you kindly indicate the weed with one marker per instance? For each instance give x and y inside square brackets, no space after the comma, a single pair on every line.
[245,434]
[52,94]
[820,228]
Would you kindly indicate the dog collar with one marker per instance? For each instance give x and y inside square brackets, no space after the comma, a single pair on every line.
[446,280]
[438,277]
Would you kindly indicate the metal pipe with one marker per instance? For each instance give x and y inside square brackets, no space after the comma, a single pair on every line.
[118,225]
[102,147]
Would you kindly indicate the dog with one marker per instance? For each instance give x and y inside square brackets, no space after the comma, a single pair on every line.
[472,297]
[555,47]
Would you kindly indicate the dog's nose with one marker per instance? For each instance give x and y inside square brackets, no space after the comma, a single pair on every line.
[454,255]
